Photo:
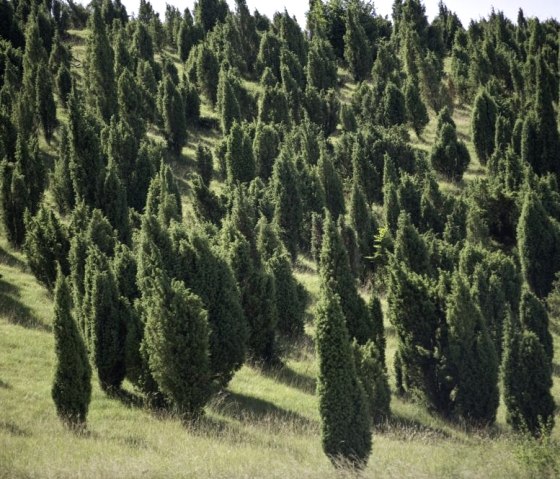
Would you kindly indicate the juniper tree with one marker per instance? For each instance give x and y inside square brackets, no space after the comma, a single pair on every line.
[334,267]
[449,156]
[527,380]
[288,209]
[390,199]
[114,203]
[410,247]
[60,180]
[104,321]
[416,112]
[266,148]
[289,304]
[176,344]
[345,430]
[164,200]
[204,163]
[71,389]
[472,358]
[240,161]
[361,219]
[173,114]
[46,245]
[100,87]
[373,376]
[210,277]
[228,106]
[332,185]
[483,126]
[392,108]
[537,236]
[378,328]
[207,73]
[44,100]
[129,98]
[534,318]
[357,49]
[321,65]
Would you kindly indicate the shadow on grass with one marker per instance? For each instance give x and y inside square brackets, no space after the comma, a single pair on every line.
[246,409]
[128,398]
[13,429]
[289,377]
[9,259]
[15,311]
[407,429]
[5,385]
[556,370]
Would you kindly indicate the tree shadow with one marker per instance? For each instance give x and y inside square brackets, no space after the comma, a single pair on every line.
[15,311]
[128,398]
[9,259]
[406,429]
[244,408]
[5,385]
[287,376]
[556,370]
[13,429]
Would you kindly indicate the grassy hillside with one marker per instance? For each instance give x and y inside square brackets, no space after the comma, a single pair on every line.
[266,424]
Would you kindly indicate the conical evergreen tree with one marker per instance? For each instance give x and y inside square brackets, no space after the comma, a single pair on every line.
[265,146]
[240,160]
[472,358]
[410,247]
[105,322]
[176,343]
[534,318]
[416,112]
[71,389]
[527,381]
[449,156]
[483,126]
[288,211]
[343,408]
[373,376]
[335,271]
[60,180]
[114,204]
[357,50]
[536,240]
[46,245]
[46,108]
[332,185]
[173,114]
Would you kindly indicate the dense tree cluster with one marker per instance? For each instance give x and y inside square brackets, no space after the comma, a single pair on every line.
[171,179]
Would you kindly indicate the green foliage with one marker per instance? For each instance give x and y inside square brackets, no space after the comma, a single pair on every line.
[105,324]
[332,185]
[288,209]
[357,50]
[449,156]
[173,114]
[46,246]
[207,73]
[345,430]
[373,376]
[266,147]
[472,358]
[410,247]
[393,108]
[114,203]
[176,343]
[527,381]
[483,126]
[228,105]
[537,236]
[240,160]
[416,112]
[60,180]
[204,163]
[335,271]
[46,108]
[534,318]
[321,65]
[71,389]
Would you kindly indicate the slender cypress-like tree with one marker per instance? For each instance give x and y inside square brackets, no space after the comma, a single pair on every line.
[483,126]
[416,112]
[534,318]
[357,49]
[46,108]
[71,389]
[345,430]
[173,114]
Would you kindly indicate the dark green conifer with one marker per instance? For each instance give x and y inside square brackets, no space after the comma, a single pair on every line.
[336,272]
[46,108]
[71,389]
[357,49]
[173,114]
[416,112]
[534,318]
[527,381]
[176,344]
[392,108]
[373,376]
[472,358]
[60,180]
[537,238]
[483,126]
[204,163]
[104,321]
[332,185]
[266,147]
[345,423]
[207,73]
[449,156]
[46,245]
[240,161]
[288,209]
[410,248]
